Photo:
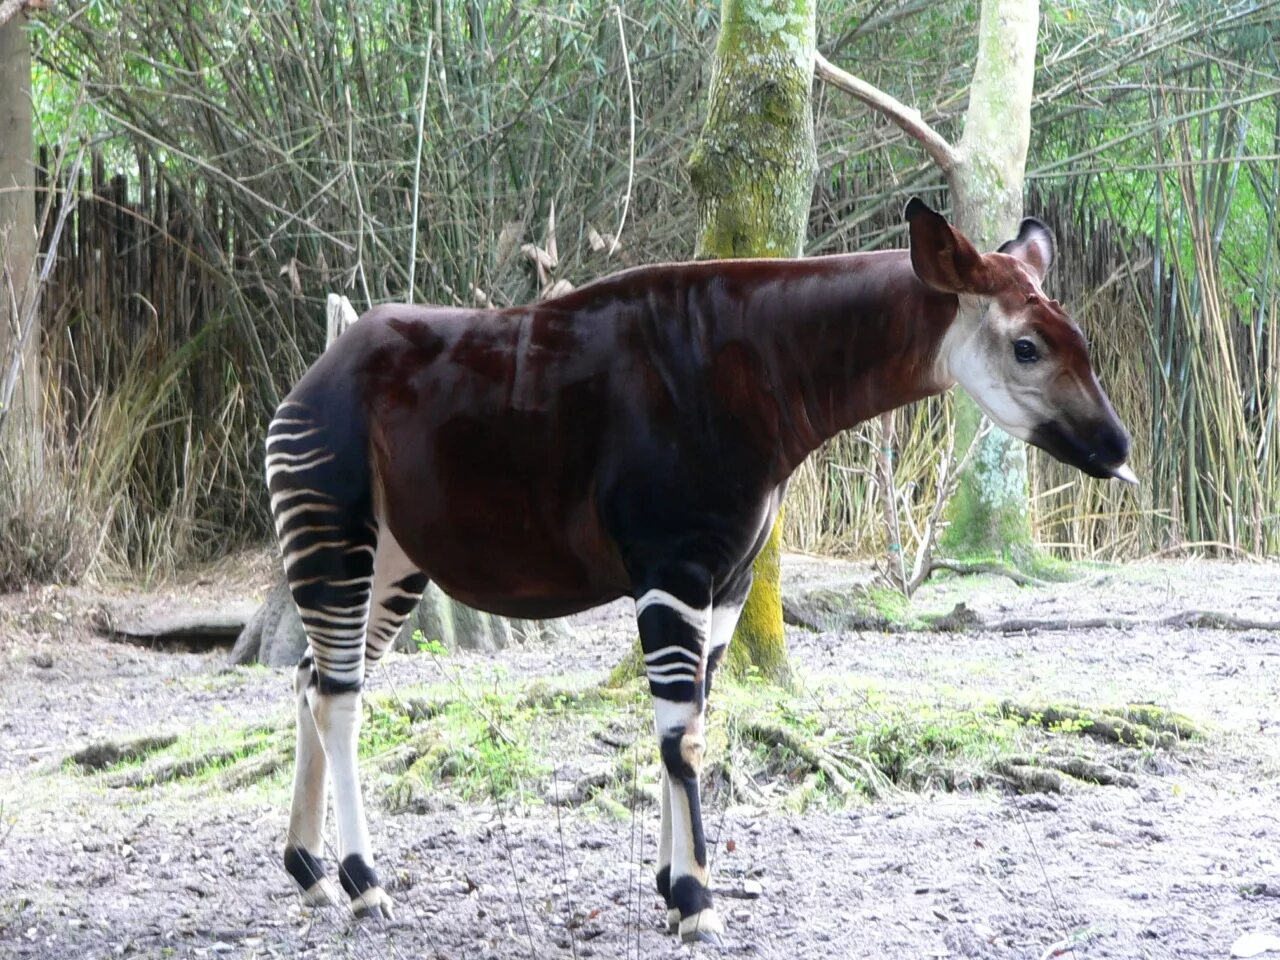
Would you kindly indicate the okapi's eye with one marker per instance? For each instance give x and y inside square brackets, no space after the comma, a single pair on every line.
[1025,351]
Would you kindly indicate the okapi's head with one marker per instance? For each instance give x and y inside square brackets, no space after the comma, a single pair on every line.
[1015,351]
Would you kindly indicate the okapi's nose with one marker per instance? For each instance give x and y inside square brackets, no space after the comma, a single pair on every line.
[1111,444]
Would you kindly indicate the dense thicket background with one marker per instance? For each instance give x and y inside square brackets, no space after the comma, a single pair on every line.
[239,162]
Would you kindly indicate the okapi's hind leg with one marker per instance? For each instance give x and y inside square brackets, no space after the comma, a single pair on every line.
[328,539]
[310,798]
[398,586]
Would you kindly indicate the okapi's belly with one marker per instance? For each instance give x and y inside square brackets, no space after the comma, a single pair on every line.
[519,553]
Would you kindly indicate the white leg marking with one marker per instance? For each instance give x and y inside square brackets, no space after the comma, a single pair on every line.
[337,717]
[672,671]
[310,793]
[667,651]
[670,715]
[724,620]
[693,615]
[664,847]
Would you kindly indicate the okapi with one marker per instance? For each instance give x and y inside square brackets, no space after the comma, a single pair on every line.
[630,438]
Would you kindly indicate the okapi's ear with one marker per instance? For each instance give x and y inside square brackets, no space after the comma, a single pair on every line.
[940,254]
[1034,245]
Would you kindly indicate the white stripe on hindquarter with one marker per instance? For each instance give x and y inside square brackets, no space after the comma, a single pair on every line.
[283,437]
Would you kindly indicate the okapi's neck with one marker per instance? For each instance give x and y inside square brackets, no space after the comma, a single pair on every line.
[842,340]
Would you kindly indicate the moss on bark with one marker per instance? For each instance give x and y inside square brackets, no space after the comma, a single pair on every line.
[759,643]
[752,170]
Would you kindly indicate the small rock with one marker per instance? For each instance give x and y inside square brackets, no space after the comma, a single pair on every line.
[42,659]
[1036,802]
[1255,944]
[752,889]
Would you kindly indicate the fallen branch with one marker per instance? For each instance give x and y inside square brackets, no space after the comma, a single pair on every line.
[998,569]
[1194,619]
[829,611]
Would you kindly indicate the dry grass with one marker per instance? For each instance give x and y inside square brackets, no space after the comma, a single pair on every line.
[296,179]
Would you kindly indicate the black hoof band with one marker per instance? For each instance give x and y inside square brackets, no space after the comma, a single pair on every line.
[303,867]
[356,876]
[689,896]
[664,885]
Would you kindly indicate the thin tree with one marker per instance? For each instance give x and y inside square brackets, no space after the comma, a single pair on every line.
[19,368]
[985,171]
[752,170]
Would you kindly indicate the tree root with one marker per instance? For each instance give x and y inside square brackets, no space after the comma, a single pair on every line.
[1030,778]
[1078,768]
[250,770]
[107,753]
[1139,725]
[997,569]
[169,770]
[836,770]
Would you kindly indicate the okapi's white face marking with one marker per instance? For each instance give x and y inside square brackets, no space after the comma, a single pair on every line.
[1015,351]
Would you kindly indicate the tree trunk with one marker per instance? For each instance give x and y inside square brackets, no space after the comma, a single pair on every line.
[988,514]
[752,170]
[19,438]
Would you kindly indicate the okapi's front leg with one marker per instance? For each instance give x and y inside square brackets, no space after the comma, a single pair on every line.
[674,615]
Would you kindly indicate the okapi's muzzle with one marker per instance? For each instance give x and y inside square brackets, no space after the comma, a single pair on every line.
[1100,448]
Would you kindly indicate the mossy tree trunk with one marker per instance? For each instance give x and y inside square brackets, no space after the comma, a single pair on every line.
[19,438]
[989,513]
[752,170]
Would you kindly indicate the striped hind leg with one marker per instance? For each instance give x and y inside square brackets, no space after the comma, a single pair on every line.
[331,582]
[328,541]
[393,592]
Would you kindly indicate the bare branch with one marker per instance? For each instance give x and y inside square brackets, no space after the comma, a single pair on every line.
[907,118]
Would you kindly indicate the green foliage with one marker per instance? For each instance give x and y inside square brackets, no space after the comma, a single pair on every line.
[432,646]
[481,747]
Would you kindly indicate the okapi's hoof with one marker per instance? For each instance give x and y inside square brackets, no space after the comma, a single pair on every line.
[374,903]
[322,894]
[703,927]
[704,937]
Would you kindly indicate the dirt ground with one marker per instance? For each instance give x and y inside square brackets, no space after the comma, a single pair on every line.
[1177,867]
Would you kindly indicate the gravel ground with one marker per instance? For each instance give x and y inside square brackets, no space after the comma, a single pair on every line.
[1179,866]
